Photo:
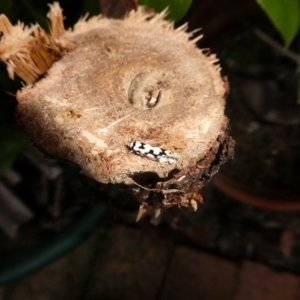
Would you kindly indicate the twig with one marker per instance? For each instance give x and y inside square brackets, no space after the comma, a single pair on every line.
[13,212]
[268,40]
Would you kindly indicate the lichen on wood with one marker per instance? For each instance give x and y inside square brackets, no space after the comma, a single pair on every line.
[119,81]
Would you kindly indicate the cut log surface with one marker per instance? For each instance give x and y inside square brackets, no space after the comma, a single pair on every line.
[126,81]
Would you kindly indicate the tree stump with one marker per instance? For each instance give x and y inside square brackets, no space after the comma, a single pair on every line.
[131,101]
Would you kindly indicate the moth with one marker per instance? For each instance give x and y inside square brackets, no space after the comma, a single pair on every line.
[154,153]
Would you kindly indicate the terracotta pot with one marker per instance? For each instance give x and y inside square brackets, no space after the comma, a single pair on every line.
[272,199]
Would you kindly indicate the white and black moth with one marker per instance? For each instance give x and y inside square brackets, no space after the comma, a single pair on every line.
[154,153]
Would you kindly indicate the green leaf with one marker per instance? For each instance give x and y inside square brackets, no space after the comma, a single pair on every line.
[177,8]
[11,143]
[285,15]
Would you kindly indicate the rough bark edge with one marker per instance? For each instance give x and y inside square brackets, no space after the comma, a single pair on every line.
[28,51]
[182,189]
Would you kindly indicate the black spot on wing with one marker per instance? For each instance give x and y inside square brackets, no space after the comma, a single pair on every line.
[142,146]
